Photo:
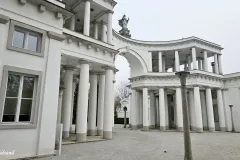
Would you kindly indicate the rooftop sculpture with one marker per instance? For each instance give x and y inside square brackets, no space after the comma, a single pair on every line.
[123,23]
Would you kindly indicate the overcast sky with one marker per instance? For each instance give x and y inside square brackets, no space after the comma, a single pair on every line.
[217,21]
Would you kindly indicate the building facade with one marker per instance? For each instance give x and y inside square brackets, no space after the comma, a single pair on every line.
[48,47]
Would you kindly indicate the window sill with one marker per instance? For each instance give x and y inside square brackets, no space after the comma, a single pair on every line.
[17,126]
[25,51]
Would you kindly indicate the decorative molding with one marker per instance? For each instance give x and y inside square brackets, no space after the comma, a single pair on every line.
[4,19]
[22,2]
[59,15]
[42,8]
[56,36]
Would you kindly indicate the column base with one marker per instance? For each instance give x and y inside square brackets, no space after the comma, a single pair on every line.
[91,132]
[180,129]
[107,134]
[129,126]
[65,134]
[193,128]
[134,127]
[205,128]
[100,132]
[81,137]
[152,126]
[199,130]
[167,127]
[162,128]
[211,129]
[223,129]
[145,128]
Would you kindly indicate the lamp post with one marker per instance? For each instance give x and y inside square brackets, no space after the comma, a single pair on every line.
[233,129]
[125,116]
[187,139]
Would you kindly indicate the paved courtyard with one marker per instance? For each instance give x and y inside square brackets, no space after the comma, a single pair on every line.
[138,145]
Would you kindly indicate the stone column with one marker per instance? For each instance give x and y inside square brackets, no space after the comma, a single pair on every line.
[137,108]
[192,110]
[204,110]
[216,63]
[185,67]
[194,58]
[179,109]
[175,111]
[211,124]
[75,81]
[205,64]
[163,63]
[177,62]
[220,64]
[199,64]
[134,120]
[67,100]
[61,89]
[166,109]
[221,110]
[92,110]
[213,67]
[86,27]
[160,62]
[96,28]
[109,32]
[157,113]
[108,103]
[145,110]
[152,109]
[189,62]
[198,110]
[162,109]
[130,112]
[100,104]
[104,32]
[141,110]
[82,103]
[72,23]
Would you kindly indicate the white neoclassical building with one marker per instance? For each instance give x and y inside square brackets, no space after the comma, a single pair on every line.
[48,47]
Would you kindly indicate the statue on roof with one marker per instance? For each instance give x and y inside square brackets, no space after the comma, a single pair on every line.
[123,23]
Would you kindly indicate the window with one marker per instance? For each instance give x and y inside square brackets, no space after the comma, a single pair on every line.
[19,96]
[25,38]
[155,62]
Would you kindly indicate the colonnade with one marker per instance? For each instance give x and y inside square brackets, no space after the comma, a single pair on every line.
[157,113]
[106,27]
[191,62]
[94,105]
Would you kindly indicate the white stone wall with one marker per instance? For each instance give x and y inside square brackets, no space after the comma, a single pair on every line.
[32,142]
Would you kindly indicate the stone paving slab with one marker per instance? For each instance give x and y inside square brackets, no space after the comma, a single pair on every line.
[72,139]
[155,145]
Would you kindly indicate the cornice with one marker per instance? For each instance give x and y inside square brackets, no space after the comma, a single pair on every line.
[193,40]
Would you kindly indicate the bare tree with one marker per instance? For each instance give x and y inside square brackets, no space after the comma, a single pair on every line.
[122,91]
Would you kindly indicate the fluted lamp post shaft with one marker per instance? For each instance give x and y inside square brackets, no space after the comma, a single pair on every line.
[187,139]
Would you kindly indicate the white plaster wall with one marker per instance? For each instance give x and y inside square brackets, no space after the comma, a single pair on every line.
[29,14]
[31,142]
[232,97]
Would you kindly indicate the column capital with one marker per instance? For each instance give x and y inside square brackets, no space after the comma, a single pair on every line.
[93,72]
[103,23]
[87,0]
[68,67]
[84,61]
[110,68]
[95,22]
[109,11]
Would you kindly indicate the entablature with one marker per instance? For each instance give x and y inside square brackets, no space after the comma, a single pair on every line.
[200,78]
[89,42]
